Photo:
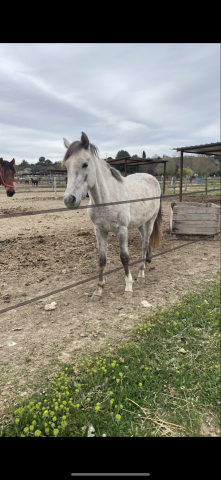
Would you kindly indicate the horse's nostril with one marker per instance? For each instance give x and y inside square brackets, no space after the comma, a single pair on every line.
[73,198]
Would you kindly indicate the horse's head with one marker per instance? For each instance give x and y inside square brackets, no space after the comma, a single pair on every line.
[80,169]
[7,172]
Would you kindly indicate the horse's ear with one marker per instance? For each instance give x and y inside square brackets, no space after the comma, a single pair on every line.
[12,161]
[66,143]
[85,141]
[1,161]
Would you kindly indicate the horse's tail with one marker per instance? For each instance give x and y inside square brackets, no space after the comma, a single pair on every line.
[155,238]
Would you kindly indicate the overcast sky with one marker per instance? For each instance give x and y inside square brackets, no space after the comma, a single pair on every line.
[136,97]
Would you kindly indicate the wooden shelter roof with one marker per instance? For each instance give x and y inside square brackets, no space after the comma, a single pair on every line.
[134,161]
[206,149]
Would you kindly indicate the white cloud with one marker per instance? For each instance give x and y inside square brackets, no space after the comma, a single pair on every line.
[150,97]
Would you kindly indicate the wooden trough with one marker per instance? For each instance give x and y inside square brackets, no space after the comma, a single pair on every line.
[194,219]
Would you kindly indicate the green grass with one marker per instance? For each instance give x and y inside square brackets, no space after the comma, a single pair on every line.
[159,384]
[200,192]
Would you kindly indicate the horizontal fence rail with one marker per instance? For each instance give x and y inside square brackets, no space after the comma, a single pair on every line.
[76,284]
[56,210]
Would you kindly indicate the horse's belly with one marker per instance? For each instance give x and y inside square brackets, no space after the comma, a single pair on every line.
[142,214]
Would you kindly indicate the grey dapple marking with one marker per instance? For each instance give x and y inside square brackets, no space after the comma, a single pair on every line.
[105,184]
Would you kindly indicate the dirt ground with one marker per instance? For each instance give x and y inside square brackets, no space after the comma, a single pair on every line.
[42,253]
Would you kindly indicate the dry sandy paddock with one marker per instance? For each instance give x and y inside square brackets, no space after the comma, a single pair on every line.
[34,252]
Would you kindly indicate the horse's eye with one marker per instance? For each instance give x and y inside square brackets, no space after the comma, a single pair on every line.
[85,165]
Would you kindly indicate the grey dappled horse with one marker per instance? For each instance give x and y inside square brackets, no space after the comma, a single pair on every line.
[105,184]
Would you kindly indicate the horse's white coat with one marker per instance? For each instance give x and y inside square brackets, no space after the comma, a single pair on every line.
[88,172]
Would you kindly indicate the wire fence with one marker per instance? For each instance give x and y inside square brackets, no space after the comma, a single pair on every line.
[82,207]
[76,284]
[35,299]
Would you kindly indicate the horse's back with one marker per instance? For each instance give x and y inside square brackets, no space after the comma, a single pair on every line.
[142,183]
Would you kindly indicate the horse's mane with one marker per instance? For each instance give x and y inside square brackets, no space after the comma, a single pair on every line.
[116,174]
[77,146]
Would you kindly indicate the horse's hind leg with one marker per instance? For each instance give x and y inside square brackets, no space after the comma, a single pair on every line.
[145,231]
[102,250]
[124,256]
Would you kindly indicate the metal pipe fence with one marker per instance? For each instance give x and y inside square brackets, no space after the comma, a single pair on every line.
[96,276]
[82,207]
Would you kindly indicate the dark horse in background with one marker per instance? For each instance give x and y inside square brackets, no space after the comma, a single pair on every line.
[34,182]
[7,173]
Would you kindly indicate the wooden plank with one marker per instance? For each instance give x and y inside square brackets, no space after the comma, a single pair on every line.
[196,205]
[189,204]
[201,217]
[181,209]
[205,237]
[194,230]
[187,223]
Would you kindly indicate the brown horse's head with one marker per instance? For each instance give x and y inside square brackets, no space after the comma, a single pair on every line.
[7,172]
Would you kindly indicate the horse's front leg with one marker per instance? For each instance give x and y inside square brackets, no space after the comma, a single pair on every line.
[124,256]
[102,250]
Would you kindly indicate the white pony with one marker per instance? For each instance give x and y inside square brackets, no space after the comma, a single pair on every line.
[105,184]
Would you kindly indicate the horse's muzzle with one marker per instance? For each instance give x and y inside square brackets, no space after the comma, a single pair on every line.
[70,201]
[10,194]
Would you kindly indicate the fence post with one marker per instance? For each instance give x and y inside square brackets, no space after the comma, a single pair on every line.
[206,184]
[55,190]
[174,184]
[214,183]
[186,184]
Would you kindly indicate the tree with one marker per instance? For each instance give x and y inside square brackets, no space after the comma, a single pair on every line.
[144,154]
[170,167]
[122,153]
[24,164]
[57,165]
[186,172]
[202,165]
[42,160]
[151,169]
[217,159]
[48,163]
[135,156]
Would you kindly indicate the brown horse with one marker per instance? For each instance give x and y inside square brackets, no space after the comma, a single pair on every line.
[7,173]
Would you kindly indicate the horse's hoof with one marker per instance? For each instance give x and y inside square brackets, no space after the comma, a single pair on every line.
[95,298]
[128,294]
[141,280]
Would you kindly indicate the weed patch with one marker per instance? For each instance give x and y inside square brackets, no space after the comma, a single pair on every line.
[159,384]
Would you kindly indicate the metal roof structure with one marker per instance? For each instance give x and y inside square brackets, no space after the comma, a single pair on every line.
[136,161]
[206,149]
[56,171]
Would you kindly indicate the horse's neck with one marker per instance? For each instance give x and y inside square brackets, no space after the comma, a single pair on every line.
[100,193]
